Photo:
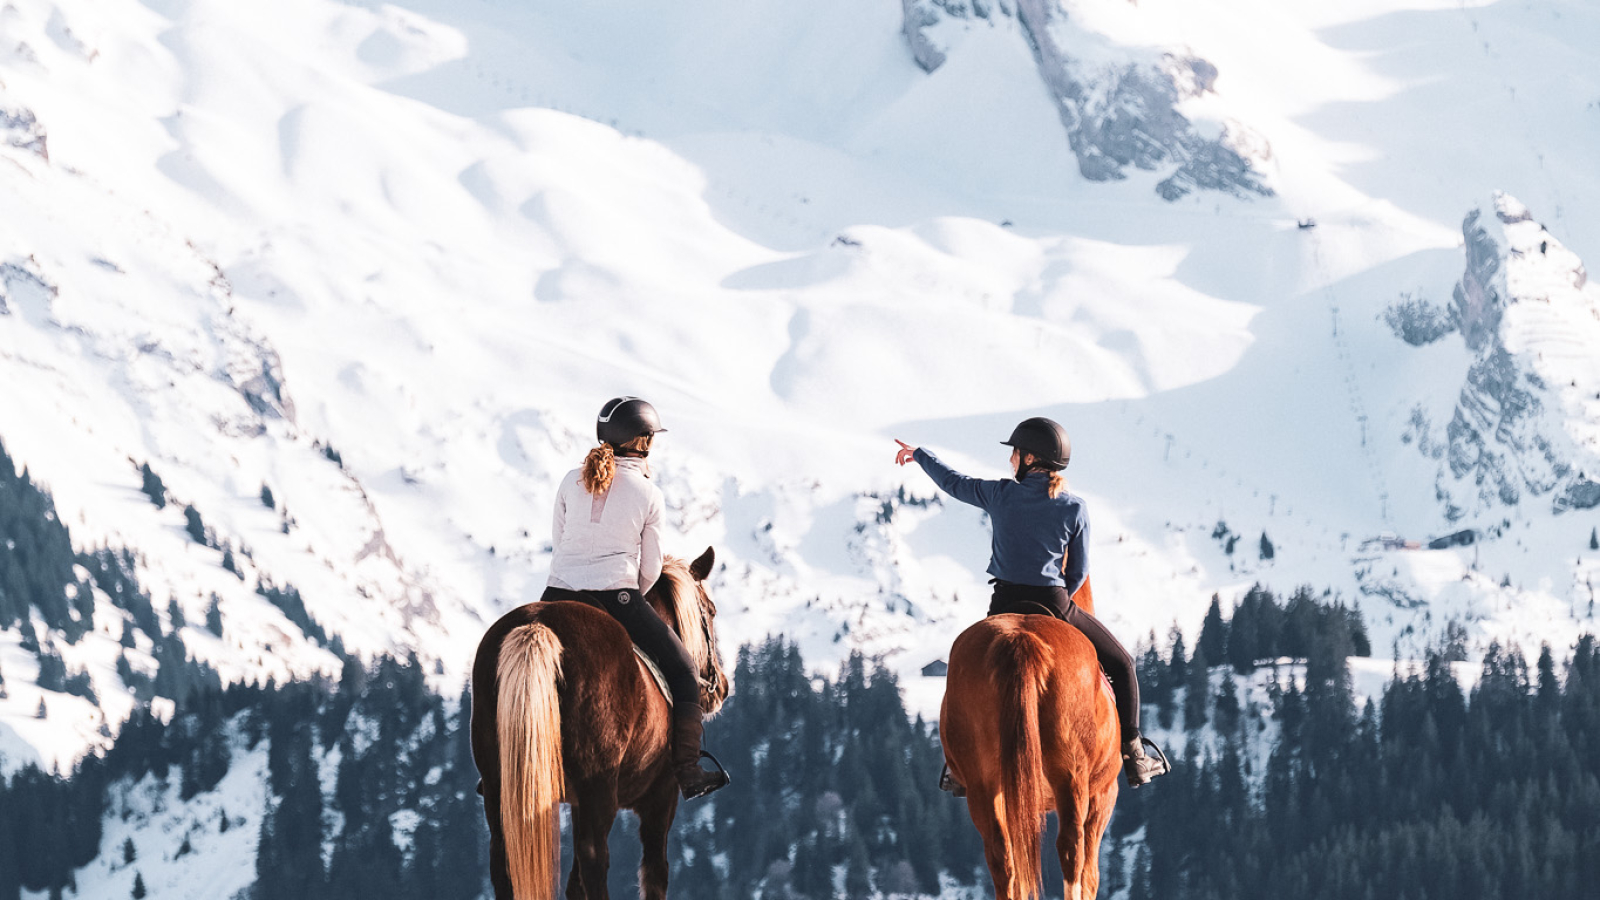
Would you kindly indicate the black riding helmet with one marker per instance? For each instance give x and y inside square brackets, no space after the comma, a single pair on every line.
[624,418]
[1046,440]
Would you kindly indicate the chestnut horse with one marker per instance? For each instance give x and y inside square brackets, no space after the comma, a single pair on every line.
[562,711]
[1028,724]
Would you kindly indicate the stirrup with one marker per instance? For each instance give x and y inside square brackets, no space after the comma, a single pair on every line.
[1140,775]
[949,784]
[710,781]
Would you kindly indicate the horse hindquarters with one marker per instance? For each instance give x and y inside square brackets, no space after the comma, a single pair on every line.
[528,713]
[1019,660]
[989,726]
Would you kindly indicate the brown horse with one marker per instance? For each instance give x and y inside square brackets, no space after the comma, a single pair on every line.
[1028,725]
[563,712]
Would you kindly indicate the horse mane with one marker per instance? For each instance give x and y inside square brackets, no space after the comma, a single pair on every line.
[678,589]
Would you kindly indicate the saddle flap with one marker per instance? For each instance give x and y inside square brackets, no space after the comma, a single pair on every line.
[654,671]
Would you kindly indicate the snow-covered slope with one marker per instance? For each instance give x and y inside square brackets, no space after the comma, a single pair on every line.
[386,260]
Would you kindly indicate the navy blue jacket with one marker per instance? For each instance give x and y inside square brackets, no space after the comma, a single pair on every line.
[1032,530]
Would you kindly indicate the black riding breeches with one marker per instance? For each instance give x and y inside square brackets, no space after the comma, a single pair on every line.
[1114,658]
[651,634]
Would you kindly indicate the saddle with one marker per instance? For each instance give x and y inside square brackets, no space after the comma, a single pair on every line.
[1028,608]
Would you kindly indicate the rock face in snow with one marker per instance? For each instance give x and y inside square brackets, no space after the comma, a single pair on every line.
[921,17]
[1524,423]
[21,129]
[1117,115]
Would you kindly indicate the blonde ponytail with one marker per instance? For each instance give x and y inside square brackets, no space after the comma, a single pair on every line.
[600,466]
[1058,484]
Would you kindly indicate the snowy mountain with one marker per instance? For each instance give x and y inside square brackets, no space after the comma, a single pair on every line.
[382,262]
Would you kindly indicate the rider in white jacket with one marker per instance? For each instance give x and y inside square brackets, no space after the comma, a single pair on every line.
[612,540]
[607,543]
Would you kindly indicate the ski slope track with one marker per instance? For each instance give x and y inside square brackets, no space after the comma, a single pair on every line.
[1311,271]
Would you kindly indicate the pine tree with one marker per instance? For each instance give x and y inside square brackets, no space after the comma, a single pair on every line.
[267,499]
[1214,632]
[858,873]
[152,486]
[43,711]
[1140,887]
[1594,539]
[289,854]
[1227,705]
[175,618]
[1244,636]
[194,525]
[1549,687]
[1175,677]
[138,886]
[1267,550]
[1199,690]
[129,852]
[214,615]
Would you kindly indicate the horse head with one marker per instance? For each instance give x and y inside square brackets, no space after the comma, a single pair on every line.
[693,616]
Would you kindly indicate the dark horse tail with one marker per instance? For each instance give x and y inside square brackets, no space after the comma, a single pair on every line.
[1019,662]
[531,777]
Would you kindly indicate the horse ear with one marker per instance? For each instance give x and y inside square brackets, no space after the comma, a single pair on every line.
[701,568]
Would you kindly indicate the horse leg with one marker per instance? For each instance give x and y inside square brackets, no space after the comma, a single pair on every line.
[1071,813]
[592,818]
[499,871]
[575,877]
[1094,829]
[656,812]
[987,817]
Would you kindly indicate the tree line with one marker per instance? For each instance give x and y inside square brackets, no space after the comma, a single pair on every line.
[1431,791]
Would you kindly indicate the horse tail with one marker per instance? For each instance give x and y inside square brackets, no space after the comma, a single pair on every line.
[1020,661]
[531,776]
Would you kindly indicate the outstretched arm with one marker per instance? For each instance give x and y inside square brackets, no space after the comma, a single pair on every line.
[977,491]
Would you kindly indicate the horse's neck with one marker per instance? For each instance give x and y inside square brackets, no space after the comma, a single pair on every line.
[667,613]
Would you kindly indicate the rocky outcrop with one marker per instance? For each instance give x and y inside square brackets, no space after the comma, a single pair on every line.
[23,282]
[923,16]
[1116,116]
[21,129]
[1523,425]
[1477,302]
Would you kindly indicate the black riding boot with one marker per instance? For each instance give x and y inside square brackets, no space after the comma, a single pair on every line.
[693,781]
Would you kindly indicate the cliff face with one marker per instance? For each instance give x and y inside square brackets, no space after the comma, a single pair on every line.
[1525,422]
[1118,112]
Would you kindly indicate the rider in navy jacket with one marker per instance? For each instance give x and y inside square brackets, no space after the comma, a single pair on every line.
[1031,528]
[1040,555]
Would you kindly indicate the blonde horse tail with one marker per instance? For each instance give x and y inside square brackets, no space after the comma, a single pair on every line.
[531,777]
[1019,661]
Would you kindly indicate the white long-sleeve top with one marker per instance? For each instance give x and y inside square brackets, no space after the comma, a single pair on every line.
[609,541]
